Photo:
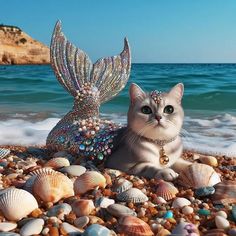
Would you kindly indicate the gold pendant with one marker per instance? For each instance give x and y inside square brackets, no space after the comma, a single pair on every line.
[164,159]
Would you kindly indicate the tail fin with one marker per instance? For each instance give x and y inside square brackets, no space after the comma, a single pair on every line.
[75,71]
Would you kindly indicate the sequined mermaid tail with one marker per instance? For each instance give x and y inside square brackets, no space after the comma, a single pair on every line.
[81,131]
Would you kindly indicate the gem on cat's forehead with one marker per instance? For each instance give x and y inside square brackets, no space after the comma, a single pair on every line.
[156,96]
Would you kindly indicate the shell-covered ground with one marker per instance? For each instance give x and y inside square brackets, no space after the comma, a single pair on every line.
[44,193]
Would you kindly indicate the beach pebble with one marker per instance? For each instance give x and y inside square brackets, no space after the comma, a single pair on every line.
[234,213]
[7,226]
[222,214]
[180,202]
[232,232]
[81,222]
[119,210]
[97,230]
[187,210]
[204,212]
[74,170]
[104,202]
[159,200]
[113,172]
[45,231]
[62,209]
[209,160]
[205,191]
[168,215]
[34,226]
[70,229]
[221,222]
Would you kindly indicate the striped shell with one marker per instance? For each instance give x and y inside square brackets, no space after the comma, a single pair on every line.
[51,187]
[57,163]
[122,185]
[40,171]
[82,207]
[134,195]
[225,193]
[166,190]
[198,176]
[17,203]
[119,210]
[4,152]
[133,226]
[88,181]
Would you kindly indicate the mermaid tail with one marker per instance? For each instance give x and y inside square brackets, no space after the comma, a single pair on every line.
[90,85]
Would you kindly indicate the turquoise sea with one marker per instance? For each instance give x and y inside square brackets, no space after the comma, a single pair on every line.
[32,101]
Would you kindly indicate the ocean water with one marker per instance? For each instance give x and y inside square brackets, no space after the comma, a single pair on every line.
[32,101]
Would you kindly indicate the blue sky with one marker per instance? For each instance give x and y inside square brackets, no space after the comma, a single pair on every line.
[158,30]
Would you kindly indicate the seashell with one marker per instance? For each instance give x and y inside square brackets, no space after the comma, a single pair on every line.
[185,228]
[88,181]
[104,202]
[225,192]
[70,229]
[159,200]
[113,172]
[198,176]
[134,195]
[52,186]
[81,222]
[57,162]
[7,226]
[122,185]
[28,186]
[17,203]
[166,190]
[97,230]
[82,207]
[4,152]
[62,209]
[221,222]
[222,214]
[180,202]
[40,171]
[32,227]
[187,210]
[209,160]
[73,170]
[119,210]
[133,226]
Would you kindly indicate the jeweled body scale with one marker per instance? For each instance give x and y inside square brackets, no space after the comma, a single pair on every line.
[80,131]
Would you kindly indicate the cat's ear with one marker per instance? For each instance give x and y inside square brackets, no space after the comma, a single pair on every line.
[135,92]
[177,92]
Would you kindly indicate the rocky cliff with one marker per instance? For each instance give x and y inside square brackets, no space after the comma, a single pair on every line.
[16,47]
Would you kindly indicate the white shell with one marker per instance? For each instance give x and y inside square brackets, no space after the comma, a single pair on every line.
[57,163]
[7,226]
[122,185]
[134,195]
[180,202]
[17,203]
[74,170]
[119,210]
[32,227]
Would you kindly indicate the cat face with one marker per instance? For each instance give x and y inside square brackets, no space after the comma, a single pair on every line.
[153,116]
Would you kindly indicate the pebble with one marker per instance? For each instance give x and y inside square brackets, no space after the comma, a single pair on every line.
[81,222]
[97,230]
[104,202]
[209,160]
[74,170]
[168,215]
[45,231]
[70,229]
[187,210]
[234,213]
[9,234]
[222,214]
[180,202]
[119,210]
[62,209]
[32,227]
[7,226]
[221,222]
[232,232]
[204,212]
[205,191]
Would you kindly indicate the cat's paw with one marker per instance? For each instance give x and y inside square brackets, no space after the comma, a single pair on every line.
[167,174]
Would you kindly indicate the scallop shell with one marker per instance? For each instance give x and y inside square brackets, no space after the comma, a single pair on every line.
[133,226]
[180,202]
[57,163]
[40,171]
[166,190]
[225,193]
[134,195]
[17,203]
[119,210]
[89,180]
[122,185]
[198,176]
[52,186]
[4,152]
[82,207]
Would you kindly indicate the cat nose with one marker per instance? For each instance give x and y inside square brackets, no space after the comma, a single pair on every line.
[158,117]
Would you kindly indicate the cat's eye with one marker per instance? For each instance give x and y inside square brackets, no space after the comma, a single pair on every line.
[146,110]
[169,109]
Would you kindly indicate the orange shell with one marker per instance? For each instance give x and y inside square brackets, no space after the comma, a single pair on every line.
[57,162]
[133,226]
[82,207]
[89,180]
[166,190]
